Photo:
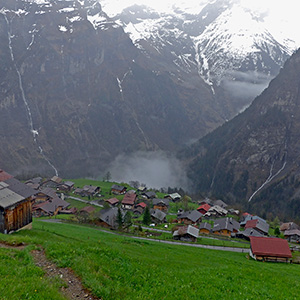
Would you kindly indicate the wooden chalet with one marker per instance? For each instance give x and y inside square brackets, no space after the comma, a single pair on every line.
[67,186]
[258,225]
[50,207]
[15,203]
[189,217]
[158,216]
[174,197]
[108,217]
[225,226]
[118,189]
[205,228]
[129,201]
[270,249]
[53,182]
[186,233]
[112,202]
[204,208]
[161,204]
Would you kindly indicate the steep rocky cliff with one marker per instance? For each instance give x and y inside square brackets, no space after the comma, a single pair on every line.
[75,92]
[254,159]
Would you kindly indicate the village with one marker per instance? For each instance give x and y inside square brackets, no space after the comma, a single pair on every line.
[143,212]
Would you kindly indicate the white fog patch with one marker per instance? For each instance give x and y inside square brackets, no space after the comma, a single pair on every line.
[156,169]
[246,85]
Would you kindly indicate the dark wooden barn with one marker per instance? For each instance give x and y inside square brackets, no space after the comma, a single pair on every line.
[15,205]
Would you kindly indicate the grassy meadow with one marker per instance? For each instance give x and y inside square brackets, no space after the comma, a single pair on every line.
[118,267]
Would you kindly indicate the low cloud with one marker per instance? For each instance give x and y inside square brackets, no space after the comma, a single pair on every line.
[156,169]
[246,85]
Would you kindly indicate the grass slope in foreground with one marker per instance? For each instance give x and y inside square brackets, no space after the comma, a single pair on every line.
[116,267]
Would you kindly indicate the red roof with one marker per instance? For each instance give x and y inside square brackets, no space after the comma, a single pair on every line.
[4,176]
[205,207]
[142,204]
[274,247]
[246,214]
[251,223]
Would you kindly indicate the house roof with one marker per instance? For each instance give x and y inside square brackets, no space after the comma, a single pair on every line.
[250,217]
[288,226]
[118,187]
[112,201]
[249,232]
[158,214]
[220,203]
[205,207]
[13,191]
[8,197]
[275,247]
[129,199]
[217,209]
[109,215]
[4,176]
[69,183]
[226,223]
[142,204]
[20,187]
[258,224]
[48,192]
[292,232]
[50,206]
[193,215]
[174,196]
[160,202]
[149,194]
[191,230]
[88,209]
[56,179]
[205,225]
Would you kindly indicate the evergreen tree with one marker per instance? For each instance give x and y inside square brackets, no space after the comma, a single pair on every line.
[119,218]
[147,216]
[127,220]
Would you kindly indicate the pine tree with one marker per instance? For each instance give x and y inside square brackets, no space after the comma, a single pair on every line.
[119,219]
[147,216]
[127,220]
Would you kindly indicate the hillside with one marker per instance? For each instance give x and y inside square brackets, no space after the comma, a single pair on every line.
[77,92]
[253,160]
[116,267]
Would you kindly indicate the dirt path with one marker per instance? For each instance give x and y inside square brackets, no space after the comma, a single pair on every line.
[73,288]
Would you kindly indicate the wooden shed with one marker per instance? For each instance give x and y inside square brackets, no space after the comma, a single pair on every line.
[15,209]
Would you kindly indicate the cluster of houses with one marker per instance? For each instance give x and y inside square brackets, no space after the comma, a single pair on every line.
[36,197]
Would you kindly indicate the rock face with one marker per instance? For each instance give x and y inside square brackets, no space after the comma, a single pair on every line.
[236,61]
[253,159]
[75,92]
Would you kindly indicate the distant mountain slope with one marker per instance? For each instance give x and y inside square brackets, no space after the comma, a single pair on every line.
[226,43]
[254,159]
[75,92]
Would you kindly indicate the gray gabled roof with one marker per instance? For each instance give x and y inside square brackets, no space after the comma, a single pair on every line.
[20,187]
[205,225]
[193,215]
[158,214]
[109,215]
[226,223]
[9,198]
[161,201]
[191,230]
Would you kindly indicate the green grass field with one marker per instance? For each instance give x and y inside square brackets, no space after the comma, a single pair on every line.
[118,267]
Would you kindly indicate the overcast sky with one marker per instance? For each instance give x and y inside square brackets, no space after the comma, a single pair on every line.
[281,17]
